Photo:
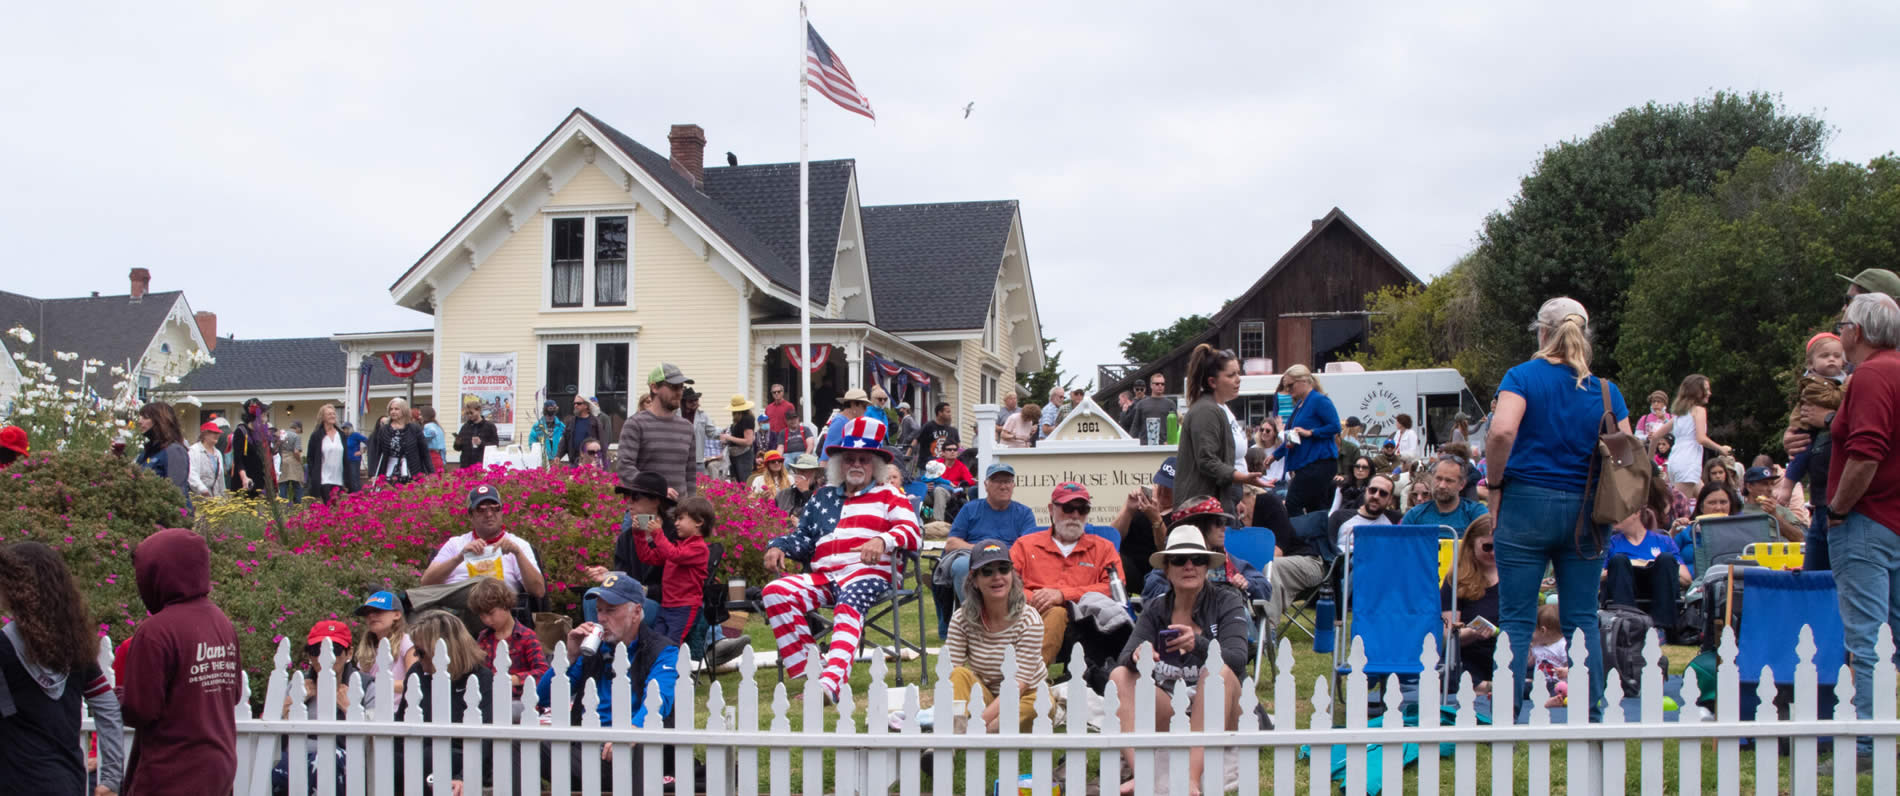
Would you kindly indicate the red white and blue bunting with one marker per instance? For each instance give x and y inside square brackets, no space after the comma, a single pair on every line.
[820,354]
[403,364]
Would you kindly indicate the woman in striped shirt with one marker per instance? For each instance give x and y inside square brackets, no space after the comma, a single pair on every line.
[992,618]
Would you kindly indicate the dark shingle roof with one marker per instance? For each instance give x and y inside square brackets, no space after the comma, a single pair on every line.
[111,329]
[757,194]
[289,363]
[765,199]
[934,266]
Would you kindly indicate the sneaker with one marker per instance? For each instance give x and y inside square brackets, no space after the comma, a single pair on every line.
[726,650]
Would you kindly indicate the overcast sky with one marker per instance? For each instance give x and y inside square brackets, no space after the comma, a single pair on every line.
[284,163]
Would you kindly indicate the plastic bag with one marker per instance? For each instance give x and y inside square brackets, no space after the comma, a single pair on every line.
[486,564]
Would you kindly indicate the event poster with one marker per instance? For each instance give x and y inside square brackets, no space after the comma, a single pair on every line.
[490,378]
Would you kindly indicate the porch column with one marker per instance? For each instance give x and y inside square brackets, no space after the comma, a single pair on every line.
[854,363]
[755,365]
[352,385]
[985,443]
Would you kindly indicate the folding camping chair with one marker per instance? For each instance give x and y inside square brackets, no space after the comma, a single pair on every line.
[1720,541]
[1391,620]
[1312,529]
[1255,546]
[908,584]
[1776,555]
[1779,604]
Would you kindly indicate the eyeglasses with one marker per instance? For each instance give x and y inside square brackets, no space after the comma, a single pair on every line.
[1362,467]
[488,508]
[1843,325]
[1488,546]
[1186,561]
[592,451]
[1377,492]
[994,570]
[1075,508]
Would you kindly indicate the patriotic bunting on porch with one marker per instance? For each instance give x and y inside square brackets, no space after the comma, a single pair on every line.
[403,364]
[362,384]
[820,354]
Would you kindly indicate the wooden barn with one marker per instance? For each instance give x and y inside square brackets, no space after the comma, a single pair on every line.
[1309,308]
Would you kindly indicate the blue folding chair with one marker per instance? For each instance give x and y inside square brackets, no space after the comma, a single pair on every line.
[1777,604]
[1255,546]
[1390,620]
[1106,532]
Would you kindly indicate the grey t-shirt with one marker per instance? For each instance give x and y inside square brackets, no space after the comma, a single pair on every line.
[1147,420]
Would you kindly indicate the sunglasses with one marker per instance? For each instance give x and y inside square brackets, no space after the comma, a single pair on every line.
[1362,467]
[592,451]
[1373,490]
[488,508]
[994,570]
[1198,561]
[1075,508]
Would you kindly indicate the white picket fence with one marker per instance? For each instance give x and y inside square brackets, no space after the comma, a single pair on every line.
[747,752]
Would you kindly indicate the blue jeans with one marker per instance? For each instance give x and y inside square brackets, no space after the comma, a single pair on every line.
[1866,558]
[959,572]
[1538,526]
[1814,556]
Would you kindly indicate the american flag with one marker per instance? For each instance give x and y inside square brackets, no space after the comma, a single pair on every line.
[827,74]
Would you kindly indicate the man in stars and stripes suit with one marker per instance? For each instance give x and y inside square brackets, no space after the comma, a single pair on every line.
[848,535]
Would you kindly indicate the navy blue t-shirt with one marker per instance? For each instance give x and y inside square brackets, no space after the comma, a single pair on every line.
[1559,432]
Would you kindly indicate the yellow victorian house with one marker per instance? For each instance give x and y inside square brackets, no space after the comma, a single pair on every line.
[597,258]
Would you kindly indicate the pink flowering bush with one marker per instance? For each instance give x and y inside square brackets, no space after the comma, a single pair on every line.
[747,520]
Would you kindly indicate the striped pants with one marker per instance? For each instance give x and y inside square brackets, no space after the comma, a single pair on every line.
[790,598]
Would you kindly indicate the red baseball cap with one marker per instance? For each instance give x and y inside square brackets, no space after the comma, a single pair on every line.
[329,630]
[211,427]
[13,438]
[1068,492]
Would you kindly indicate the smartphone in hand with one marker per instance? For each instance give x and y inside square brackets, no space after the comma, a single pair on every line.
[1482,625]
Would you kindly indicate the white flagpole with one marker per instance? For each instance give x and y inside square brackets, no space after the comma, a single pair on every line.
[804,218]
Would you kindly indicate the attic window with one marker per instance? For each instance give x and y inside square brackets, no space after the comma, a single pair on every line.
[164,348]
[589,261]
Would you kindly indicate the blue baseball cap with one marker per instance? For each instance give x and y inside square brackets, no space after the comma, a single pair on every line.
[619,588]
[380,601]
[483,493]
[1165,475]
[999,468]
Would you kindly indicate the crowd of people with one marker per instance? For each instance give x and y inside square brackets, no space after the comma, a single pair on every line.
[1517,489]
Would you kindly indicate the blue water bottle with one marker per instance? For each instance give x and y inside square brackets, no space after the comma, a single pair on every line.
[1323,610]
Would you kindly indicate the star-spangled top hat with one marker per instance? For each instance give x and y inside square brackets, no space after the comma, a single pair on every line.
[862,434]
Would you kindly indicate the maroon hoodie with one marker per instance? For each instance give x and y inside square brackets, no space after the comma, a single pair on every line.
[180,674]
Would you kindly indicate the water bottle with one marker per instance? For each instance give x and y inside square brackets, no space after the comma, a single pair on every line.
[1323,611]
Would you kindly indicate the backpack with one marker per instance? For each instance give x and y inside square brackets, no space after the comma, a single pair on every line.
[1625,629]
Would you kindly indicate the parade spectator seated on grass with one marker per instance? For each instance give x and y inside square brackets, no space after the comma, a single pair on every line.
[852,535]
[651,658]
[1143,522]
[994,616]
[1476,598]
[997,517]
[1207,516]
[486,550]
[1066,572]
[1758,486]
[808,474]
[1447,506]
[1644,563]
[1181,627]
[950,455]
[467,668]
[382,621]
[1374,509]
[493,603]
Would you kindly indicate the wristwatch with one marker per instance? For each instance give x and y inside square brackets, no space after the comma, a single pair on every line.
[1835,515]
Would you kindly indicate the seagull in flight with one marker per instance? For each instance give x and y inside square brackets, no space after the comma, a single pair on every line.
[967,109]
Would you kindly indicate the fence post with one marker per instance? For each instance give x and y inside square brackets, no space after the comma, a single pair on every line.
[781,758]
[1503,755]
[265,752]
[909,774]
[944,720]
[1583,765]
[442,707]
[1391,758]
[1286,699]
[354,782]
[1464,777]
[1076,767]
[383,704]
[1319,772]
[501,705]
[474,751]
[1537,755]
[1728,708]
[1767,745]
[747,692]
[1249,723]
[412,745]
[1801,773]
[1355,709]
[718,766]
[1614,755]
[814,721]
[296,773]
[560,714]
[685,717]
[326,711]
[1008,718]
[1689,748]
[1213,719]
[1652,713]
[1428,718]
[1884,708]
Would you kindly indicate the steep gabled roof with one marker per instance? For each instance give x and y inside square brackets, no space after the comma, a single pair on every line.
[934,266]
[112,329]
[1226,313]
[765,199]
[288,363]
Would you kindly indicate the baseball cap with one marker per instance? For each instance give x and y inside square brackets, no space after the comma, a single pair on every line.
[1068,492]
[380,601]
[987,552]
[328,630]
[482,493]
[210,428]
[999,468]
[1758,474]
[1876,280]
[669,373]
[619,588]
[1165,475]
[13,438]
[1353,422]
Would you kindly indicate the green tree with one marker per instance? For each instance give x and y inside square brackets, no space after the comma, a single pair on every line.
[1144,347]
[1036,385]
[1433,326]
[1559,236]
[1732,283]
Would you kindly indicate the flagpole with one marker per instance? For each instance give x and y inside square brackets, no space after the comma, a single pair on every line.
[804,218]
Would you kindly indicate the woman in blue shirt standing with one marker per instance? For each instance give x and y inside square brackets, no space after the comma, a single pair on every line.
[1543,434]
[1311,454]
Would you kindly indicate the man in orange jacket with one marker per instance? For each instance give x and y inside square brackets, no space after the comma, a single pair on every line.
[1060,567]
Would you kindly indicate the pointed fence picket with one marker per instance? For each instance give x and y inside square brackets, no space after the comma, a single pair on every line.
[845,752]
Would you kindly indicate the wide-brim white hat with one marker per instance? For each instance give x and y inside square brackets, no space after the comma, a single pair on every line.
[1186,540]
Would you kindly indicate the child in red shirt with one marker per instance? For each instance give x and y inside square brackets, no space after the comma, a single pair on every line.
[492,602]
[683,584]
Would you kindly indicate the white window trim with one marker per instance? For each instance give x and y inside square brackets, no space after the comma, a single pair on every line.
[548,217]
[1240,337]
[587,340]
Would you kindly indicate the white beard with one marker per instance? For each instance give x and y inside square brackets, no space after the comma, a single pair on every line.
[1058,531]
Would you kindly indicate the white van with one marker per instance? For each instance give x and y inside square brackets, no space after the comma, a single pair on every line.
[1377,398]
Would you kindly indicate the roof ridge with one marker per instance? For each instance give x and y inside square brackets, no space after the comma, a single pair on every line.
[965,203]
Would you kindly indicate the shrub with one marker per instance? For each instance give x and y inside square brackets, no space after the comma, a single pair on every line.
[747,521]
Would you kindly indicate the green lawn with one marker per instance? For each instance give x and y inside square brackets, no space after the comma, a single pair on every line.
[1307,666]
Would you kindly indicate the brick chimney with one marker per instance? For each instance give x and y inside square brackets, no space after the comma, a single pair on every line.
[141,283]
[208,328]
[689,152]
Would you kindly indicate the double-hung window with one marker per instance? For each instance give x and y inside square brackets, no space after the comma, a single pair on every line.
[588,261]
[1253,340]
[589,366]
